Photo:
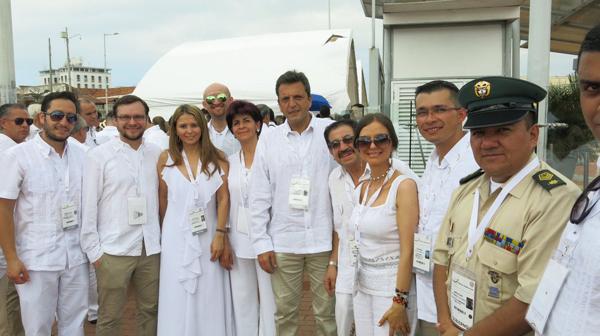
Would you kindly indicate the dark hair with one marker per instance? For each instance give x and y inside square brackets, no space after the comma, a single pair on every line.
[161,122]
[129,99]
[110,115]
[66,95]
[591,42]
[344,122]
[4,109]
[264,110]
[382,119]
[438,85]
[242,107]
[291,77]
[324,111]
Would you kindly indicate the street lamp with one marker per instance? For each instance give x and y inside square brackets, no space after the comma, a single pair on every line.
[106,74]
[65,35]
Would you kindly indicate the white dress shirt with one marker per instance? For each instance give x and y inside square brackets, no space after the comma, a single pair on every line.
[107,134]
[37,178]
[280,155]
[438,182]
[33,131]
[156,136]
[6,142]
[223,140]
[90,138]
[113,173]
[238,183]
[75,143]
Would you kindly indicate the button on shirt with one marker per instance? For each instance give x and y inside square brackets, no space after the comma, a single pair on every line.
[223,140]
[280,155]
[35,175]
[112,173]
[438,182]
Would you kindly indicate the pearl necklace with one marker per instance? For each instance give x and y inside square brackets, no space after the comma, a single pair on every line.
[373,179]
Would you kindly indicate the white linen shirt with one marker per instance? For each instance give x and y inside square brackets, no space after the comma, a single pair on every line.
[156,136]
[35,175]
[280,155]
[238,182]
[5,143]
[438,182]
[90,138]
[107,134]
[109,180]
[224,140]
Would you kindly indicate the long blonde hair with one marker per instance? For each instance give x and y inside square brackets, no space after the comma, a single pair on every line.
[208,152]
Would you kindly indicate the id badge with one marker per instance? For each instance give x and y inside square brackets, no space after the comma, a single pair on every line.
[422,253]
[299,193]
[242,220]
[353,248]
[198,221]
[69,216]
[462,297]
[137,210]
[545,296]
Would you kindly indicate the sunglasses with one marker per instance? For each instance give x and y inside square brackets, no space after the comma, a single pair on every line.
[335,144]
[59,115]
[211,99]
[20,121]
[380,140]
[582,208]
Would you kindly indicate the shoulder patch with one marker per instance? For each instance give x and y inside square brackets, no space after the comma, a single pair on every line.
[471,176]
[547,179]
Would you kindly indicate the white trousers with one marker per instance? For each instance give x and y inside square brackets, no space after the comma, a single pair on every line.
[344,313]
[369,309]
[93,295]
[253,301]
[60,294]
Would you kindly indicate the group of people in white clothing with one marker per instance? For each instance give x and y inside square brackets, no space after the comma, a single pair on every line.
[215,226]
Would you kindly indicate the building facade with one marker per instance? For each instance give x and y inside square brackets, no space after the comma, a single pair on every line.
[82,77]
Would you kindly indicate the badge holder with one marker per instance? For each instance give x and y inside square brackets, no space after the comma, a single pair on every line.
[299,193]
[197,219]
[137,210]
[422,253]
[462,297]
[69,216]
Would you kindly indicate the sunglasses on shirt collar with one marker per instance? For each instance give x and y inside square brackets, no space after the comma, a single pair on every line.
[222,97]
[59,115]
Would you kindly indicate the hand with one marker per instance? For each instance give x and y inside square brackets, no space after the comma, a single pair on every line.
[98,262]
[16,272]
[452,332]
[267,261]
[217,246]
[226,259]
[330,276]
[446,325]
[397,318]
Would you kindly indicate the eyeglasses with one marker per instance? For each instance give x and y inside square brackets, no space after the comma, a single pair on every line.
[136,118]
[222,97]
[20,121]
[422,113]
[582,208]
[59,115]
[335,144]
[380,140]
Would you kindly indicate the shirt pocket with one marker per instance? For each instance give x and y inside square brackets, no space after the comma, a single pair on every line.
[498,276]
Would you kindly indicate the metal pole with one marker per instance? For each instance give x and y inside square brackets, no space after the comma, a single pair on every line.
[50,62]
[8,92]
[106,73]
[373,13]
[516,48]
[329,14]
[538,60]
[65,35]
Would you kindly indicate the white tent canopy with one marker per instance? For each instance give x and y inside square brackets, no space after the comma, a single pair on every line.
[249,66]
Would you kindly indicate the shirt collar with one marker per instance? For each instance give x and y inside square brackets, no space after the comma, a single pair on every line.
[45,149]
[213,130]
[119,145]
[288,129]
[519,189]
[455,154]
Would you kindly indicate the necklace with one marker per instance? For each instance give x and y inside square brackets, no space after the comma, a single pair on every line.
[377,178]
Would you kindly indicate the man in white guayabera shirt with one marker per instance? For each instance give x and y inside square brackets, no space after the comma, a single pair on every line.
[216,100]
[291,222]
[575,265]
[439,119]
[121,232]
[40,207]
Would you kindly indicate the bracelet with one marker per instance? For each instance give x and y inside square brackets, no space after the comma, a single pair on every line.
[223,231]
[333,263]
[400,300]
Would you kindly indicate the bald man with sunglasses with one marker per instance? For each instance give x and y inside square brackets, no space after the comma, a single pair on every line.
[216,100]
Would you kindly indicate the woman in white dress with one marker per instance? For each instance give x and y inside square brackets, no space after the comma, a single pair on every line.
[253,301]
[385,216]
[194,296]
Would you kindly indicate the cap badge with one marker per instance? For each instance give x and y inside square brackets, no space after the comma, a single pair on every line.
[483,89]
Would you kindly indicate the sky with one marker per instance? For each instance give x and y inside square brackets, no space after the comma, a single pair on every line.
[150,28]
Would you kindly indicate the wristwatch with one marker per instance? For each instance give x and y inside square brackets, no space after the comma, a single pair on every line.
[333,263]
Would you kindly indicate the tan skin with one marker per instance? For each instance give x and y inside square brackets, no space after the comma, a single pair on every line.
[55,134]
[406,220]
[18,133]
[217,110]
[501,152]
[347,156]
[189,132]
[589,93]
[294,103]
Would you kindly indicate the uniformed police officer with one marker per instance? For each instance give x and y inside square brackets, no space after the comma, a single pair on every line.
[504,220]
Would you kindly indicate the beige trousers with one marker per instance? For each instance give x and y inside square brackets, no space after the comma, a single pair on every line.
[114,275]
[287,288]
[10,312]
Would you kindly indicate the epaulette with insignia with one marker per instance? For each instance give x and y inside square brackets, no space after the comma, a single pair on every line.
[547,179]
[471,176]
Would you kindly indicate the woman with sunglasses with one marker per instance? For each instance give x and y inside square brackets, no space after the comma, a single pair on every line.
[385,217]
[194,295]
[253,300]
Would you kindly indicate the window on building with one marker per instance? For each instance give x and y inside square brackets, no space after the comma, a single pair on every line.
[78,78]
[55,80]
[45,81]
[78,86]
[99,79]
[85,78]
[93,78]
[86,86]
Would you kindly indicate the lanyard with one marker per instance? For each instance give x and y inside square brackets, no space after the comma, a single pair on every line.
[476,231]
[244,177]
[136,168]
[368,202]
[67,175]
[193,179]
